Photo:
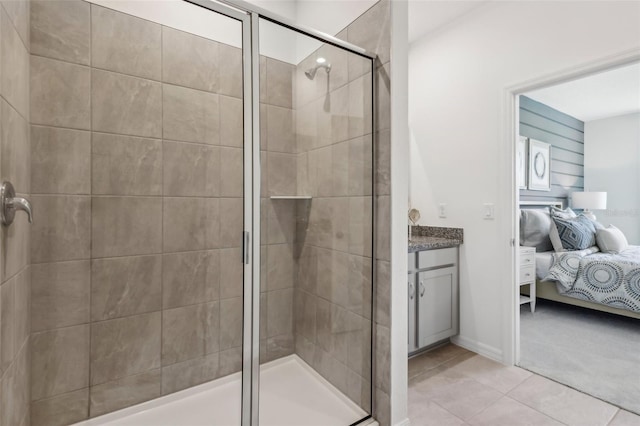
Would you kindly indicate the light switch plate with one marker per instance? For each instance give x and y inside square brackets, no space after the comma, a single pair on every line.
[442,210]
[489,211]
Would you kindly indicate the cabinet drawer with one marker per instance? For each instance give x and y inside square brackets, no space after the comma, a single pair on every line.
[527,258]
[527,274]
[437,257]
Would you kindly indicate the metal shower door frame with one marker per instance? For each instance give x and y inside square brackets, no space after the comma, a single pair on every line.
[249,15]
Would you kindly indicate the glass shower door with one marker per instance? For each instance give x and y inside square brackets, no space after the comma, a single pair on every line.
[316,237]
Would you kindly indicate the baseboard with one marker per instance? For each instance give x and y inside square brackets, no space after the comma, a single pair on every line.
[479,348]
[405,422]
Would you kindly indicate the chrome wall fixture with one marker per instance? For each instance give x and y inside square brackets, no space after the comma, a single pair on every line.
[9,203]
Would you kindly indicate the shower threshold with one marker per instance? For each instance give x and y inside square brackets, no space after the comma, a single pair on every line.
[291,393]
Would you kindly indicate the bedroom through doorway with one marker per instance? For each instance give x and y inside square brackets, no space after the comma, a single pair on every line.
[577,166]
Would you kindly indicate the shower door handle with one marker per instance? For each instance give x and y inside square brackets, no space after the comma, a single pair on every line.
[9,203]
[246,239]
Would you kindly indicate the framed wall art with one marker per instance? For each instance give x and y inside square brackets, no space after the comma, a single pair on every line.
[539,166]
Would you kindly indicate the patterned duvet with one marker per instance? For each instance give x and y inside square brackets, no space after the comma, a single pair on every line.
[609,279]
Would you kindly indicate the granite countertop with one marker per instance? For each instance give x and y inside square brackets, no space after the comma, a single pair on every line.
[430,237]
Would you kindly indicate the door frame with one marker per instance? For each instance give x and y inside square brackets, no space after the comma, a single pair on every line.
[509,186]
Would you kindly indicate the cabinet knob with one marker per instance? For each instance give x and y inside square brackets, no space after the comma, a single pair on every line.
[422,289]
[412,291]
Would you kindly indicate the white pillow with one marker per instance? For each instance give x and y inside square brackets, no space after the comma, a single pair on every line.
[611,240]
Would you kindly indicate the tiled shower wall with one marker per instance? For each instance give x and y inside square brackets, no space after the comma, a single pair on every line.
[137,279]
[333,290]
[14,251]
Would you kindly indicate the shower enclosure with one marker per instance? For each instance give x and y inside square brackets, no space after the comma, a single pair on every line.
[202,245]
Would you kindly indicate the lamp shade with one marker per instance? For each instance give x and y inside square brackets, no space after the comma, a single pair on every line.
[589,200]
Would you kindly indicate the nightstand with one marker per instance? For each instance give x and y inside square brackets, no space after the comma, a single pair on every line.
[528,275]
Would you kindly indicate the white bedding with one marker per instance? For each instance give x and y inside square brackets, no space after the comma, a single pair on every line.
[544,261]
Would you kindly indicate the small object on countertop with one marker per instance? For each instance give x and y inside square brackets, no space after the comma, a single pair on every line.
[414,217]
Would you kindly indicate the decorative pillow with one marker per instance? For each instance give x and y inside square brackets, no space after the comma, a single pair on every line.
[577,233]
[534,229]
[611,240]
[563,214]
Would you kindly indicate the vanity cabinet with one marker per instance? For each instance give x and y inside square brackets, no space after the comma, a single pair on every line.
[432,296]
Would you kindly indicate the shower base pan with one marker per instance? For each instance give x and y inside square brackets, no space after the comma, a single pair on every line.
[291,394]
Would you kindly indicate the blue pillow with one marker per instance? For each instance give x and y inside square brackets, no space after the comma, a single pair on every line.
[572,234]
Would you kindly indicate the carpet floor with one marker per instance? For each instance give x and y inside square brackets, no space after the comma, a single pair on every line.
[594,352]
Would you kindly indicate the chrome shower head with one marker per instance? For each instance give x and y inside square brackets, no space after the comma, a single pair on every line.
[320,63]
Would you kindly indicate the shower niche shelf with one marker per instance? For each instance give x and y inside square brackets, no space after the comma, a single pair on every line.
[290,197]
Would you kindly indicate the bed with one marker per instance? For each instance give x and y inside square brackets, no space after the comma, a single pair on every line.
[587,278]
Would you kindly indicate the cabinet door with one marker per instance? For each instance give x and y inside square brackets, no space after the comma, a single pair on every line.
[437,305]
[412,311]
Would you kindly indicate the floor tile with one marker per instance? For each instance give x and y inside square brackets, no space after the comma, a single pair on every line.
[563,403]
[460,395]
[434,358]
[423,412]
[625,418]
[488,372]
[508,412]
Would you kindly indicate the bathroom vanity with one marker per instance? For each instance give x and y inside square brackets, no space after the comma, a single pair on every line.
[433,286]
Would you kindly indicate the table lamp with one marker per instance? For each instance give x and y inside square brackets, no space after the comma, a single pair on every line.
[589,201]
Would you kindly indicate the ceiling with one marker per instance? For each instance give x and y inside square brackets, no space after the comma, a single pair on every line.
[428,16]
[607,94]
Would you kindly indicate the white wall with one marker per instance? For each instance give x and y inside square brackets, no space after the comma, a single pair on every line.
[457,82]
[612,164]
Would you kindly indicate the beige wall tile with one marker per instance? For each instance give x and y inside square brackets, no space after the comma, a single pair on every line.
[189,60]
[64,232]
[280,266]
[231,172]
[190,115]
[361,31]
[360,226]
[231,121]
[124,392]
[16,245]
[279,83]
[126,105]
[15,149]
[22,290]
[190,224]
[383,231]
[282,174]
[61,30]
[231,222]
[191,169]
[360,98]
[281,219]
[60,161]
[14,64]
[230,323]
[383,99]
[126,165]
[383,162]
[124,347]
[279,346]
[61,410]
[359,289]
[7,325]
[230,361]
[19,13]
[60,93]
[230,69]
[279,312]
[280,129]
[124,226]
[190,278]
[59,361]
[231,272]
[60,294]
[360,166]
[183,375]
[125,286]
[124,43]
[14,391]
[190,332]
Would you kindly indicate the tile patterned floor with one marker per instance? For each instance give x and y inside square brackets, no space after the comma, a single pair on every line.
[453,386]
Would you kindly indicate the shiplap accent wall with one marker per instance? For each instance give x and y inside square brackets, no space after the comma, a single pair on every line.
[566,136]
